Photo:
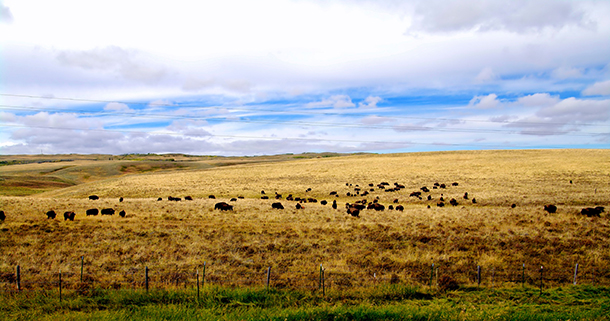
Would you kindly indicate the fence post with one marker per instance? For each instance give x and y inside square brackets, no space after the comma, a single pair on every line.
[268,277]
[478,275]
[146,278]
[541,269]
[431,273]
[320,281]
[82,263]
[575,273]
[197,284]
[323,283]
[523,275]
[59,285]
[18,278]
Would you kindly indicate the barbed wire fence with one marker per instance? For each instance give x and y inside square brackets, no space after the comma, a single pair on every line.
[321,279]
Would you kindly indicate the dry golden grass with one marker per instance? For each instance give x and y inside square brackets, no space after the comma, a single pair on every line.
[175,238]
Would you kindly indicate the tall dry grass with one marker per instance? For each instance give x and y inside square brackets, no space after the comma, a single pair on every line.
[175,238]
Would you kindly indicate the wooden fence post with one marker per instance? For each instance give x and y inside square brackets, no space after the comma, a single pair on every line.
[203,275]
[82,263]
[541,269]
[146,278]
[197,284]
[575,273]
[431,273]
[18,278]
[320,281]
[523,275]
[59,285]
[478,275]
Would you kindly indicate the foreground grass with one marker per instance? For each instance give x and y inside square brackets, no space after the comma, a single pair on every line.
[396,302]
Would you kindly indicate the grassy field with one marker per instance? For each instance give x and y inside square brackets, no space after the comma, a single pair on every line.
[174,239]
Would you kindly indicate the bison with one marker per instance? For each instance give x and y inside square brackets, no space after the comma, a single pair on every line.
[159,199]
[211,197]
[94,197]
[466,195]
[334,204]
[265,197]
[353,211]
[323,202]
[223,206]
[425,189]
[550,208]
[440,204]
[400,208]
[454,184]
[120,199]
[107,211]
[233,199]
[592,212]
[122,213]
[188,198]
[277,205]
[299,206]
[51,214]
[92,211]
[2,216]
[69,216]
[453,202]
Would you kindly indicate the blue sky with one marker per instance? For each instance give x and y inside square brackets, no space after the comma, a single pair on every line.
[271,77]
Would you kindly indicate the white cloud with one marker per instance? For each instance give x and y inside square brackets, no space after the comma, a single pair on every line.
[518,16]
[370,102]
[567,73]
[485,102]
[375,120]
[486,75]
[120,107]
[537,100]
[599,88]
[335,101]
[5,14]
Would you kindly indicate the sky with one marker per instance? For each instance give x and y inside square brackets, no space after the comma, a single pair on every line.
[239,77]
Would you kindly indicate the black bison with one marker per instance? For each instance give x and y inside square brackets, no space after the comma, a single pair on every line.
[454,184]
[415,194]
[513,205]
[442,186]
[453,202]
[188,198]
[212,197]
[69,216]
[233,199]
[92,211]
[175,199]
[333,193]
[159,199]
[108,211]
[265,197]
[425,189]
[550,208]
[400,208]
[592,212]
[94,197]
[466,195]
[277,205]
[334,204]
[51,214]
[323,202]
[378,207]
[474,201]
[2,216]
[299,206]
[223,206]
[440,204]
[120,199]
[122,213]
[429,197]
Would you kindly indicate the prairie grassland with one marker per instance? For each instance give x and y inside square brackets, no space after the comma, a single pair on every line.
[174,238]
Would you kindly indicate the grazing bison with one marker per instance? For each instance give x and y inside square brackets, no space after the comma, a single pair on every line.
[277,205]
[159,199]
[299,206]
[474,201]
[415,194]
[425,189]
[69,216]
[443,186]
[353,211]
[212,197]
[454,184]
[175,199]
[440,204]
[223,206]
[120,199]
[550,208]
[51,214]
[453,202]
[2,216]
[92,211]
[122,213]
[265,197]
[233,200]
[323,202]
[94,197]
[108,211]
[466,195]
[592,212]
[188,198]
[429,197]
[334,204]
[513,205]
[333,193]
[378,207]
